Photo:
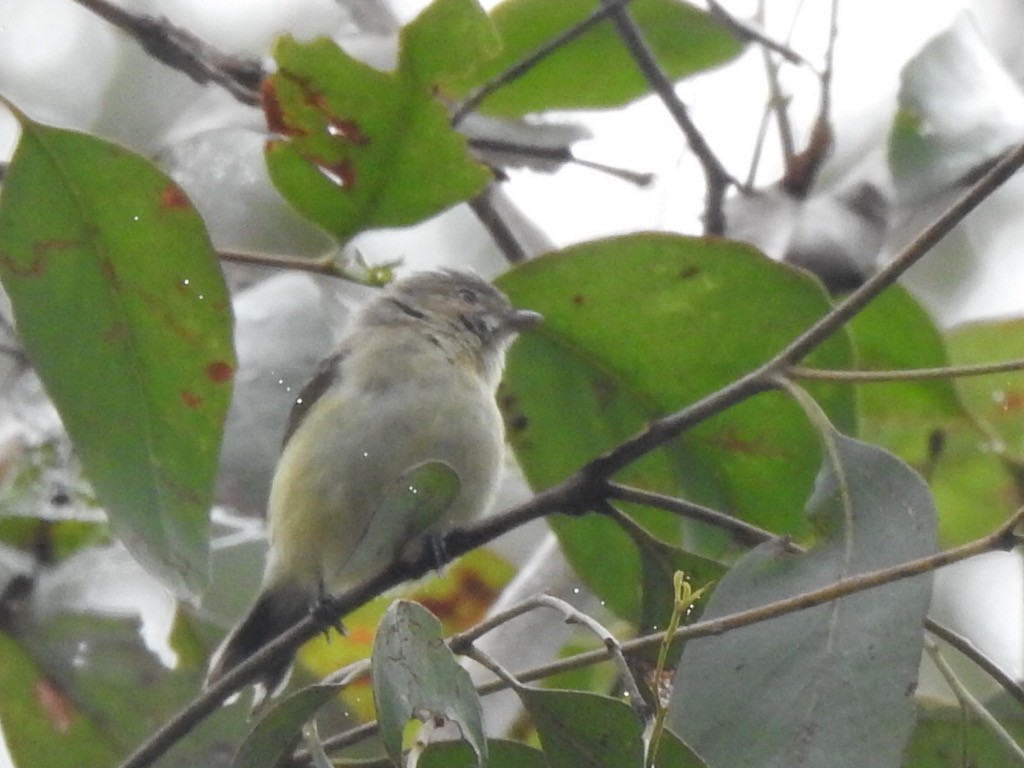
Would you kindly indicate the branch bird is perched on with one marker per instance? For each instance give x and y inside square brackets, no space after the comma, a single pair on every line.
[412,382]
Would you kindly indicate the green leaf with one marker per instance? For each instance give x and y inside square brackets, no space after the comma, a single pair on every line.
[122,308]
[42,725]
[363,148]
[500,754]
[925,422]
[943,738]
[277,729]
[416,675]
[996,400]
[674,753]
[840,675]
[584,729]
[643,325]
[595,70]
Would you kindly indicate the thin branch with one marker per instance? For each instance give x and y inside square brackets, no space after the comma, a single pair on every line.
[717,178]
[561,154]
[354,270]
[611,644]
[1001,538]
[912,374]
[907,374]
[745,33]
[483,206]
[181,50]
[968,649]
[742,532]
[802,168]
[475,98]
[970,703]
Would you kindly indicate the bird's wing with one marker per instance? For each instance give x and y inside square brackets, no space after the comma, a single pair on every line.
[328,371]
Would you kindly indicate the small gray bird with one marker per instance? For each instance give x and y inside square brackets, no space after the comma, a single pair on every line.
[412,381]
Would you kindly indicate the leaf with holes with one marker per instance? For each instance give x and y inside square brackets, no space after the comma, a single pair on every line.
[416,675]
[360,148]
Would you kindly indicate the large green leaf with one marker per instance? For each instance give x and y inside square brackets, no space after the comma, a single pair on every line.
[642,325]
[123,310]
[577,728]
[362,148]
[925,422]
[832,684]
[595,70]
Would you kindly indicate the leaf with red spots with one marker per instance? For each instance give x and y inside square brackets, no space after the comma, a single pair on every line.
[360,148]
[123,311]
[640,326]
[41,724]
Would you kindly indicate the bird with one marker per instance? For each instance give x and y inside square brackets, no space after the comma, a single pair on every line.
[412,382]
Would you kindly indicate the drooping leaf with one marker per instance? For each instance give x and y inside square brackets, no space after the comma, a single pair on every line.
[123,311]
[595,70]
[577,728]
[925,422]
[840,675]
[362,148]
[415,675]
[643,325]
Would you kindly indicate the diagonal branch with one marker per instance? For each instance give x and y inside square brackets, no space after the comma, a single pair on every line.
[181,50]
[717,178]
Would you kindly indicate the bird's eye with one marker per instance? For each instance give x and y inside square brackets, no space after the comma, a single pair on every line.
[467,295]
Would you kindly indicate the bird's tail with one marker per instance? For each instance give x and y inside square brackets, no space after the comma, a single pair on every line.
[277,608]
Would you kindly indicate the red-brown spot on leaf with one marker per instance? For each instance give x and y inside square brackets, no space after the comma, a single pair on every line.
[191,399]
[272,107]
[689,272]
[465,604]
[1011,402]
[219,371]
[578,299]
[55,705]
[33,269]
[172,198]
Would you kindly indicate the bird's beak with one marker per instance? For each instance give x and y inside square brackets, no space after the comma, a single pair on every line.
[520,320]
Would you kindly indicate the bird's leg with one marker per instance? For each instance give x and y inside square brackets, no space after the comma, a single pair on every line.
[324,609]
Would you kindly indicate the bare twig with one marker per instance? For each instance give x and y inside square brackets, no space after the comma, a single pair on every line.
[181,50]
[717,178]
[911,374]
[746,33]
[474,99]
[971,704]
[802,168]
[742,532]
[968,649]
[483,206]
[557,155]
